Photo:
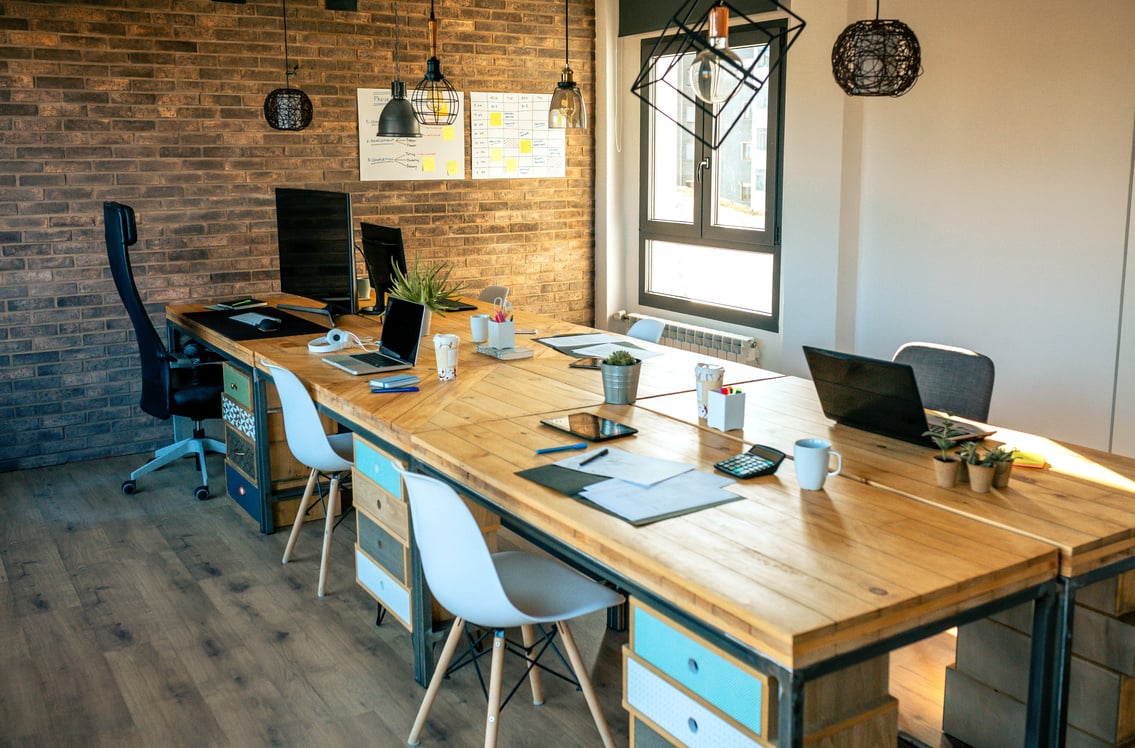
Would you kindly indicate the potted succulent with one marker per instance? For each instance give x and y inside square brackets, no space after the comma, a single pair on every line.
[979,465]
[1002,459]
[946,465]
[428,285]
[620,377]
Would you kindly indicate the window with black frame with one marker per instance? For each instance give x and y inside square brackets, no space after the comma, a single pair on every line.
[709,231]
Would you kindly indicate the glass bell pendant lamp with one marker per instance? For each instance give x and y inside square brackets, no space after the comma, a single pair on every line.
[567,108]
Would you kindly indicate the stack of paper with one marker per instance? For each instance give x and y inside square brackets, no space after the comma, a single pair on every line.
[643,489]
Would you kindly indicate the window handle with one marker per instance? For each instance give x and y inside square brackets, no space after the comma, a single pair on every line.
[703,164]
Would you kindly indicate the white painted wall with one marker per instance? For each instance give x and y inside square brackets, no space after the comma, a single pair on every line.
[986,208]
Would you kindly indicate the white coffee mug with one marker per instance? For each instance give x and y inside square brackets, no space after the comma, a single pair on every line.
[445,347]
[813,458]
[479,326]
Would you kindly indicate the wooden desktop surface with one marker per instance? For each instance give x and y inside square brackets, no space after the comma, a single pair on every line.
[798,576]
[1084,503]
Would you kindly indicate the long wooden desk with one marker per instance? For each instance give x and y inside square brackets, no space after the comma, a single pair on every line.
[1083,503]
[796,584]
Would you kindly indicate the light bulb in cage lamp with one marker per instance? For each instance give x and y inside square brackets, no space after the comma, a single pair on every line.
[711,81]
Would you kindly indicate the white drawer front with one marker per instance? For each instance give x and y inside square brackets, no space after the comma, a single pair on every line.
[680,715]
[393,596]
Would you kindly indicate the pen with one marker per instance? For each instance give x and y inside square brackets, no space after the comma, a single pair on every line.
[394,389]
[525,331]
[595,456]
[564,448]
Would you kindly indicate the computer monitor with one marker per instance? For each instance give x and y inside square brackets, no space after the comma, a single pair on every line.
[382,252]
[317,248]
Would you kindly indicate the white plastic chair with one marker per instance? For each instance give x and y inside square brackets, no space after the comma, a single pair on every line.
[496,591]
[647,329]
[494,292]
[333,455]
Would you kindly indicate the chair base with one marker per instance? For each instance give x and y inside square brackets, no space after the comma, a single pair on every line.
[198,445]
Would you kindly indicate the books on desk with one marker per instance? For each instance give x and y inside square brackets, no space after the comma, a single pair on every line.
[505,354]
[245,303]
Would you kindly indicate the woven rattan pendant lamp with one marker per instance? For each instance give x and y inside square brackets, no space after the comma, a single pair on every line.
[876,58]
[287,108]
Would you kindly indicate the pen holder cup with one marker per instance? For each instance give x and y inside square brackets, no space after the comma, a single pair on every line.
[726,412]
[502,334]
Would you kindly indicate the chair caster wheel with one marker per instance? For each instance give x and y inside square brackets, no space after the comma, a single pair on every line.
[129,487]
[201,492]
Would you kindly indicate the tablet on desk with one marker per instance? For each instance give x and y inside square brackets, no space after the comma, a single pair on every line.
[590,426]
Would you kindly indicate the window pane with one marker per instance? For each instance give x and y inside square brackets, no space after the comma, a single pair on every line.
[721,277]
[672,148]
[741,161]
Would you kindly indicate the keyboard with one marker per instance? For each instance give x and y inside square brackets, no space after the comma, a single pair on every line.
[376,359]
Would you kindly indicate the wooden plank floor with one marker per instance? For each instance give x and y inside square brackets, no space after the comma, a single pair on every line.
[155,619]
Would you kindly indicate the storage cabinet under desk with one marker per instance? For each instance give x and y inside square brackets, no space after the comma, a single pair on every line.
[681,690]
[258,462]
[383,549]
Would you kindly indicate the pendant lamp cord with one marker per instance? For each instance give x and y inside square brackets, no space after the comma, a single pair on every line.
[397,43]
[288,72]
[566,27]
[877,10]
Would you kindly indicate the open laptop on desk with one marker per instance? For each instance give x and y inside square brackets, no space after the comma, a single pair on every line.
[878,396]
[397,345]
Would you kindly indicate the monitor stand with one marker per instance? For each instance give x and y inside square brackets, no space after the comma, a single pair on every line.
[327,309]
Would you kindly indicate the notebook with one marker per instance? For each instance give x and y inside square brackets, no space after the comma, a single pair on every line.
[397,345]
[878,396]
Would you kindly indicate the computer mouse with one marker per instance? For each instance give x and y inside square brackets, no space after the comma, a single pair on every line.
[268,324]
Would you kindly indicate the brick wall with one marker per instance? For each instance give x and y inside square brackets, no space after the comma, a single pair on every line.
[157,103]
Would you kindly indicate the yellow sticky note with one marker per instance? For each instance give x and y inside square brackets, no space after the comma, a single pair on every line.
[429,163]
[496,119]
[452,167]
[511,166]
[449,132]
[525,146]
[496,155]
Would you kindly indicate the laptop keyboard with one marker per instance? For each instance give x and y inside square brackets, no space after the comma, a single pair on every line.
[375,359]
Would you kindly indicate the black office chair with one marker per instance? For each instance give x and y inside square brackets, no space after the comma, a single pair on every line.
[172,384]
[954,380]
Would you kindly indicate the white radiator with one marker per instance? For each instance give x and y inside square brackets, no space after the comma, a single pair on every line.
[729,346]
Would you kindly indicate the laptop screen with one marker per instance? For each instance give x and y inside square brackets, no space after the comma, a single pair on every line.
[402,329]
[868,393]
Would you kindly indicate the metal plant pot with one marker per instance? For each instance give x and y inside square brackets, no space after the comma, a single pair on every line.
[620,383]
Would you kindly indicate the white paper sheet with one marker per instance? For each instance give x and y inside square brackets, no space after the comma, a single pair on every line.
[690,490]
[606,349]
[633,468]
[562,342]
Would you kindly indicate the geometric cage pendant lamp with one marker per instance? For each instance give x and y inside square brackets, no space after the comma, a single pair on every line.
[691,73]
[876,58]
[287,108]
[434,99]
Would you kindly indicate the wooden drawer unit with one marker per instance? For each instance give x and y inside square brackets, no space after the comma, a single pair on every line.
[683,689]
[388,510]
[384,549]
[238,387]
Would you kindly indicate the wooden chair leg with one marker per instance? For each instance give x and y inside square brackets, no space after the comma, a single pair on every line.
[304,502]
[447,651]
[589,694]
[328,528]
[496,676]
[529,636]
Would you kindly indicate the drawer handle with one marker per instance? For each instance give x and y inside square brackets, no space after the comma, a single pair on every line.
[239,452]
[693,665]
[378,503]
[232,386]
[692,724]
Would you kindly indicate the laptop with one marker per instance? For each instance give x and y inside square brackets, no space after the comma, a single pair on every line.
[879,396]
[397,345]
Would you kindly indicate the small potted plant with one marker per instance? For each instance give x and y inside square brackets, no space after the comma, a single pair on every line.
[946,465]
[428,285]
[1002,459]
[979,465]
[620,377]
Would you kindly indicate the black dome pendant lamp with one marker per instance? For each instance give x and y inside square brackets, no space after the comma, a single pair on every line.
[287,108]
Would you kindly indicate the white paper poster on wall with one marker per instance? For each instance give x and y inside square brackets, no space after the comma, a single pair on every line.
[511,137]
[438,154]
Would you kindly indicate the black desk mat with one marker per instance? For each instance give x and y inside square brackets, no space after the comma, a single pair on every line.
[221,322]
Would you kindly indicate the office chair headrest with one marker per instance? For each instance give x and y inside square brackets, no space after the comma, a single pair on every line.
[123,220]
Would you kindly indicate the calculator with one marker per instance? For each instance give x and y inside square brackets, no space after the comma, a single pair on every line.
[759,460]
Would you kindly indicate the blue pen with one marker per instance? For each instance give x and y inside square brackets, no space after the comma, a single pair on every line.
[565,448]
[394,389]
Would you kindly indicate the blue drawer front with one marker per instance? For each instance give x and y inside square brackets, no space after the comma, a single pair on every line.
[243,492]
[716,680]
[377,466]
